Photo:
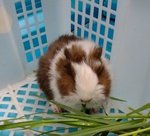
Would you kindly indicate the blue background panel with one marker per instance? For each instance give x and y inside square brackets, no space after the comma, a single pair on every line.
[24,33]
[73,16]
[86,34]
[110,33]
[112,19]
[88,9]
[37,53]
[104,15]
[38,3]
[40,16]
[101,42]
[93,37]
[108,46]
[21,21]
[35,42]
[80,6]
[94,26]
[45,48]
[31,19]
[105,3]
[44,39]
[28,5]
[33,30]
[29,57]
[87,22]
[79,19]
[18,6]
[26,45]
[97,1]
[114,5]
[73,4]
[96,12]
[102,29]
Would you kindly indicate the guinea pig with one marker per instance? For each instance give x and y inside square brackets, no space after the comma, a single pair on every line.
[74,73]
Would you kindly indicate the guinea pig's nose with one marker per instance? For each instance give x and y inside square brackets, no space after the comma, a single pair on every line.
[85,101]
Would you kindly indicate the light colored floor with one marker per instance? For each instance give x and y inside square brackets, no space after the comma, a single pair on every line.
[22,99]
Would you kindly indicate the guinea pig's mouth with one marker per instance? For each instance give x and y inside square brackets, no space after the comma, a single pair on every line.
[85,109]
[88,110]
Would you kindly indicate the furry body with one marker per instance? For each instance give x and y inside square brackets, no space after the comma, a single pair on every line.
[73,73]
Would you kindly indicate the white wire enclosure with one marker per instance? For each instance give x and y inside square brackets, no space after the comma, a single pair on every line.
[27,27]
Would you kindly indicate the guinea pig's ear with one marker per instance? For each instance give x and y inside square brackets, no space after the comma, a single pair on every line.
[95,53]
[98,52]
[99,70]
[67,53]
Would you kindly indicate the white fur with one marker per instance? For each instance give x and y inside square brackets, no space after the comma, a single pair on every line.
[86,80]
[87,87]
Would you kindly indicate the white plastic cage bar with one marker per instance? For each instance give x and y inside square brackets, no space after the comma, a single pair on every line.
[130,54]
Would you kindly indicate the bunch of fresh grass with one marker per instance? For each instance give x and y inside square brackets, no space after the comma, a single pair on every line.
[134,123]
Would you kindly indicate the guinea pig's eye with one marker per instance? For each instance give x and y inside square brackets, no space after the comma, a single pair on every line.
[83,58]
[99,87]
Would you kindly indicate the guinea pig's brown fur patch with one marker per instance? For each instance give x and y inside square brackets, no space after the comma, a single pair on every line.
[104,78]
[94,58]
[59,44]
[42,76]
[100,69]
[66,82]
[75,54]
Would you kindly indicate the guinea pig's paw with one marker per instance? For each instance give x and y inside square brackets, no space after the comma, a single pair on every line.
[55,108]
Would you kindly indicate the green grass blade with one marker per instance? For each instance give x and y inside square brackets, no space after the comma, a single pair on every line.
[136,132]
[81,124]
[142,108]
[68,108]
[90,119]
[138,113]
[121,117]
[35,122]
[117,99]
[114,127]
[51,133]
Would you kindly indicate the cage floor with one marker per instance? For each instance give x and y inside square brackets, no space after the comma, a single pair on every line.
[21,99]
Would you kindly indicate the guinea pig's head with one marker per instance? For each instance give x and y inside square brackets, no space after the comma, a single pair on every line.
[85,79]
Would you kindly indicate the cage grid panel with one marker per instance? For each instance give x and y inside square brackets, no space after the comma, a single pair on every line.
[26,98]
[95,20]
[24,101]
[32,29]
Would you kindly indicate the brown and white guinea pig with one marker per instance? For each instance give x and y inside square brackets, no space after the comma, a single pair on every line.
[72,72]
